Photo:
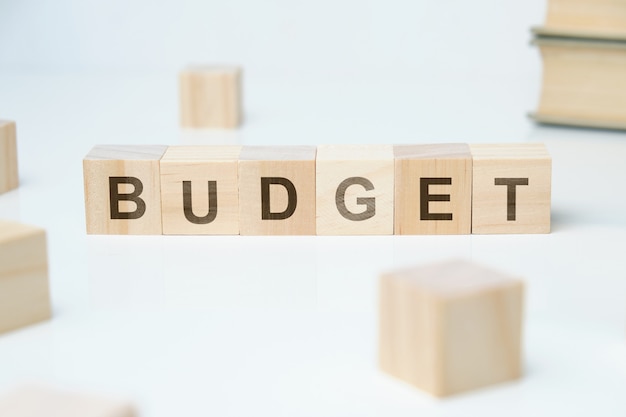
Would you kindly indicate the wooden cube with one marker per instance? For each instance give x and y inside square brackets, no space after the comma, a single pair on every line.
[24,292]
[354,188]
[433,191]
[210,97]
[200,190]
[511,188]
[450,327]
[35,400]
[8,156]
[122,189]
[277,190]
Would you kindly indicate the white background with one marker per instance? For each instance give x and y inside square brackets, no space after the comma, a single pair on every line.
[284,326]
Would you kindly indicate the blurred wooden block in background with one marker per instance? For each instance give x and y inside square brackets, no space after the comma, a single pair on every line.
[511,188]
[8,156]
[210,97]
[122,189]
[450,327]
[354,188]
[599,19]
[200,190]
[433,191]
[277,190]
[24,289]
[35,400]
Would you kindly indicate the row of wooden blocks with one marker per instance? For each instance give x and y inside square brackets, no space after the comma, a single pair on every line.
[8,156]
[324,190]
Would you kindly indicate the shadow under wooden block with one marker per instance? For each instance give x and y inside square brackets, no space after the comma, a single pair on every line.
[8,156]
[450,327]
[210,97]
[277,190]
[433,189]
[122,189]
[24,289]
[511,188]
[200,190]
[37,400]
[354,189]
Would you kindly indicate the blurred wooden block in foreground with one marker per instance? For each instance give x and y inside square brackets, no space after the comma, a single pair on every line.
[24,292]
[8,156]
[210,97]
[450,327]
[42,401]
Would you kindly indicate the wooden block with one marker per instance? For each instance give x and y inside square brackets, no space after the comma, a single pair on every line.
[24,293]
[450,327]
[433,189]
[606,18]
[582,82]
[122,189]
[8,156]
[200,190]
[210,97]
[354,189]
[277,190]
[40,400]
[511,188]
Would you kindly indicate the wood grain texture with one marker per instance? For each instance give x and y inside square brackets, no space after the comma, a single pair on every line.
[604,17]
[522,205]
[8,156]
[418,169]
[202,167]
[37,400]
[354,189]
[105,163]
[296,165]
[210,97]
[582,81]
[450,327]
[24,289]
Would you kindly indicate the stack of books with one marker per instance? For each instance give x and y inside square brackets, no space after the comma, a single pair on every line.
[583,47]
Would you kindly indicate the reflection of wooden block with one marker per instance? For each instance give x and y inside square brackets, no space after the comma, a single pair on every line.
[433,189]
[450,327]
[8,156]
[277,190]
[511,188]
[354,189]
[210,97]
[122,189]
[39,401]
[200,190]
[24,294]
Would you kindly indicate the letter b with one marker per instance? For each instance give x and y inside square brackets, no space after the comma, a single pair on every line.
[115,197]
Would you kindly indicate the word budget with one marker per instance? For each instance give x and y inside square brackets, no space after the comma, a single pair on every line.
[324,190]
